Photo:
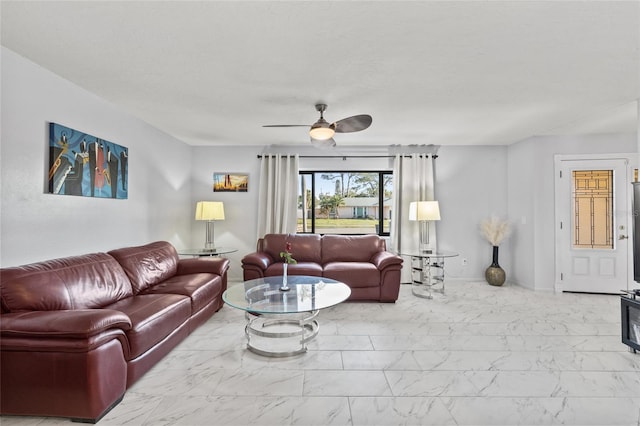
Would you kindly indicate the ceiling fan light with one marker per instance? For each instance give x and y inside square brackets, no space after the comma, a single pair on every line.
[322,131]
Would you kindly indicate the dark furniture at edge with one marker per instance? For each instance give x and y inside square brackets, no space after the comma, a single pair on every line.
[360,261]
[630,321]
[630,298]
[77,332]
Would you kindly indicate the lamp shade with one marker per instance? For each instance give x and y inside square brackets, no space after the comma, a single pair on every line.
[424,210]
[210,210]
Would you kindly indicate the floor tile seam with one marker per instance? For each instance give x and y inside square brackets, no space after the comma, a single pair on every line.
[544,370]
[475,350]
[631,398]
[306,394]
[291,369]
[330,370]
[443,394]
[522,321]
[443,334]
[425,349]
[467,334]
[214,395]
[350,410]
[457,370]
[515,351]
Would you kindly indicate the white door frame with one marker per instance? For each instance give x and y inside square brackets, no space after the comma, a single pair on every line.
[558,162]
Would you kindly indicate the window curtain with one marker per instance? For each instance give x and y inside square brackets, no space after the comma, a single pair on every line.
[278,198]
[413,180]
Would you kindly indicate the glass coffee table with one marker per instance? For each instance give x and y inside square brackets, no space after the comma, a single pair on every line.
[281,323]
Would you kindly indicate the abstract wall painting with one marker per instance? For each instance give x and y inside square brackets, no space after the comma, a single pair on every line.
[85,165]
[230,182]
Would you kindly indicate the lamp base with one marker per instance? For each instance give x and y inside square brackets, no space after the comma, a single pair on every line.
[424,246]
[209,245]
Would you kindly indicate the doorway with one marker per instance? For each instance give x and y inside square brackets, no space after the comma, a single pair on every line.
[593,215]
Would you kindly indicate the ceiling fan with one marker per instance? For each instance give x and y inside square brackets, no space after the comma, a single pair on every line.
[321,132]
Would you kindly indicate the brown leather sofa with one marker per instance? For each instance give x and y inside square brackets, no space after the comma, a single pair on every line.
[362,262]
[77,332]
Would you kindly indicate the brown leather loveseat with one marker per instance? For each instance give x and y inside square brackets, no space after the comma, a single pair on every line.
[360,261]
[77,332]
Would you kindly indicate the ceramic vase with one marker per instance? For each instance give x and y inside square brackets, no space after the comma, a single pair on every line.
[494,274]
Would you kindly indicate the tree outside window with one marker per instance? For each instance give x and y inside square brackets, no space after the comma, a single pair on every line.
[345,202]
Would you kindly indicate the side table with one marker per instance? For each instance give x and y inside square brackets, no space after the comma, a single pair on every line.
[427,272]
[203,253]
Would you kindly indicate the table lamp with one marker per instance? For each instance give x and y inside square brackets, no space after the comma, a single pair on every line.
[424,212]
[210,211]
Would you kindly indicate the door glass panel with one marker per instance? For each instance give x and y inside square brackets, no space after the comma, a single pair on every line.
[593,209]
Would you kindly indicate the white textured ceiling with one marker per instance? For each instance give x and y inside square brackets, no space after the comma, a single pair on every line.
[448,72]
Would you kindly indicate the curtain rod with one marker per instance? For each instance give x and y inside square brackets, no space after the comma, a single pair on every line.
[344,157]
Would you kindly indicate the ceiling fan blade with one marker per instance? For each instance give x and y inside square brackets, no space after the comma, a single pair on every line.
[286,125]
[353,124]
[323,143]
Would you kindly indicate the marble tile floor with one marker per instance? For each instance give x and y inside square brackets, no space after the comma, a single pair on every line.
[478,355]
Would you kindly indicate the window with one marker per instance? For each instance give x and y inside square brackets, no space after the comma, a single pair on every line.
[345,202]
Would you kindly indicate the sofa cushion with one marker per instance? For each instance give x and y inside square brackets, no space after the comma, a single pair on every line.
[153,317]
[148,264]
[77,282]
[304,247]
[300,268]
[352,248]
[201,288]
[356,274]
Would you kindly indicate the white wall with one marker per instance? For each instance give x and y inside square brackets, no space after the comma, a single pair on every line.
[35,225]
[521,170]
[531,195]
[240,226]
[470,185]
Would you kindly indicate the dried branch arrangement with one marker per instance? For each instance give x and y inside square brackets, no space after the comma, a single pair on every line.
[495,230]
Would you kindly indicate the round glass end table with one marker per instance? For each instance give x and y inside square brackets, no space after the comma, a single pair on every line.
[281,323]
[427,271]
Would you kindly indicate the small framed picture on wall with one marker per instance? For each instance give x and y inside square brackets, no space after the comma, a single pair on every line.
[230,182]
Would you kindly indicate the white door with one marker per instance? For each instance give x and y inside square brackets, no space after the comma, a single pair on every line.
[593,213]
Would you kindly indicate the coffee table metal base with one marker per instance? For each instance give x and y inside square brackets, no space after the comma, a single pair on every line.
[298,328]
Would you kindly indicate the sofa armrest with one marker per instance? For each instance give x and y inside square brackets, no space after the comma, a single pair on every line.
[209,265]
[77,323]
[384,259]
[258,259]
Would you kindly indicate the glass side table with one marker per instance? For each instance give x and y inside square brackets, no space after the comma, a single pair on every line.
[427,272]
[218,251]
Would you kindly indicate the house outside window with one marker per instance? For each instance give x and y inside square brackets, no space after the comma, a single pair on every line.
[339,202]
